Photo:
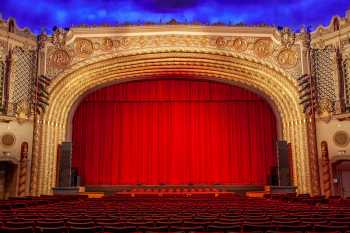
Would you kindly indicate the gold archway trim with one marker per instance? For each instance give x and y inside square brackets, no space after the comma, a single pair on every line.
[70,85]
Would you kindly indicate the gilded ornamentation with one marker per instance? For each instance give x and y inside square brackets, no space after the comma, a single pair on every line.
[287,37]
[320,44]
[142,41]
[107,44]
[204,42]
[313,156]
[22,184]
[76,81]
[97,46]
[42,39]
[305,37]
[325,109]
[117,44]
[239,45]
[83,47]
[326,174]
[125,42]
[23,111]
[287,58]
[263,48]
[346,75]
[220,42]
[136,55]
[59,38]
[60,59]
[22,72]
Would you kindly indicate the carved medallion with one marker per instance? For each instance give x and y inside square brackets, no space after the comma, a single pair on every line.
[107,44]
[287,58]
[220,42]
[83,47]
[8,139]
[60,59]
[240,45]
[142,41]
[341,138]
[263,48]
[125,42]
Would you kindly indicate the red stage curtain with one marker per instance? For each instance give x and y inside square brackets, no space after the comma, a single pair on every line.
[173,131]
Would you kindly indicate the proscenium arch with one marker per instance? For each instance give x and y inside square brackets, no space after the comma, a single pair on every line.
[68,87]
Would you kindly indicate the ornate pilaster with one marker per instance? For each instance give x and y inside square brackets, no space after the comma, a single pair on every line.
[37,131]
[310,118]
[326,174]
[22,184]
[339,78]
[9,74]
[313,156]
[2,77]
[34,175]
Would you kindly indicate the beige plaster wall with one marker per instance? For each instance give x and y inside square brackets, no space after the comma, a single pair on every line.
[23,133]
[326,131]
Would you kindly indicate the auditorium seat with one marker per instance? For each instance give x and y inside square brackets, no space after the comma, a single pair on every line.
[45,223]
[61,229]
[214,228]
[294,228]
[326,228]
[74,229]
[81,224]
[19,224]
[154,229]
[121,229]
[187,228]
[256,227]
[13,229]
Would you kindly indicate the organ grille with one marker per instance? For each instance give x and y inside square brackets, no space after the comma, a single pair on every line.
[21,81]
[323,70]
[346,67]
[2,80]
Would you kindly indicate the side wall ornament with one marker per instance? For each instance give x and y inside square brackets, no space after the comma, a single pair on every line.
[22,184]
[326,174]
[263,48]
[325,109]
[59,38]
[287,37]
[341,138]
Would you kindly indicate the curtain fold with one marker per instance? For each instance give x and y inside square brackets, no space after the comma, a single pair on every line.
[173,131]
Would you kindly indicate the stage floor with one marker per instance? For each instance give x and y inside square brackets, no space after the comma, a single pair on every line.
[161,190]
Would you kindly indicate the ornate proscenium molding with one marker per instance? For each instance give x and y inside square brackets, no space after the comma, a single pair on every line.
[253,57]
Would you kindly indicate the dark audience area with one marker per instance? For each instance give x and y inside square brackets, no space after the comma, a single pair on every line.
[277,213]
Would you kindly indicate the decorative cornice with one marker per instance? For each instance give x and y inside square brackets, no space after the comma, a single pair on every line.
[280,49]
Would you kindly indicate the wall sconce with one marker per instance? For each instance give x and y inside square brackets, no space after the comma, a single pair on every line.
[341,152]
[6,153]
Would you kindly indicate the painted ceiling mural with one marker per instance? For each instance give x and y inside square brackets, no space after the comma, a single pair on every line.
[45,14]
